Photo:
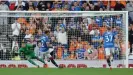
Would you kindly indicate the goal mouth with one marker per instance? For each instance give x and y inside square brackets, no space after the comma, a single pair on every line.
[75,26]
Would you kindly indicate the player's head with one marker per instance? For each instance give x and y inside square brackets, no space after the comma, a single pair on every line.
[108,28]
[23,44]
[47,32]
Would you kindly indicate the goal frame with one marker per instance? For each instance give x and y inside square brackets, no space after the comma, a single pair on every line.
[93,13]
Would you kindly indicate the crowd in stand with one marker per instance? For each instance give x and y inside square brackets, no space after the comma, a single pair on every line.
[71,37]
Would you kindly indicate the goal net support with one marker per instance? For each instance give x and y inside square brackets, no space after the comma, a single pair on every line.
[75,35]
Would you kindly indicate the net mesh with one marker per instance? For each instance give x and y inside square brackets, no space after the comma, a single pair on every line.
[71,34]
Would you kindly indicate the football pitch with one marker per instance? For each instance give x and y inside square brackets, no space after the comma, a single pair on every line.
[65,71]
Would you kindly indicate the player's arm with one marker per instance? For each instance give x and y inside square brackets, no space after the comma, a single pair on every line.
[30,45]
[48,43]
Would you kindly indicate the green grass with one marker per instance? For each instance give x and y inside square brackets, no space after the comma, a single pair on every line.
[66,71]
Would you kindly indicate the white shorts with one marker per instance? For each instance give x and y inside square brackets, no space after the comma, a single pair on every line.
[46,54]
[109,51]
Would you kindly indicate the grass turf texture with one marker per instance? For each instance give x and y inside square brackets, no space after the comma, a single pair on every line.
[66,71]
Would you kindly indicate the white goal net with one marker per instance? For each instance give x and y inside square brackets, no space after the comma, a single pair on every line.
[75,36]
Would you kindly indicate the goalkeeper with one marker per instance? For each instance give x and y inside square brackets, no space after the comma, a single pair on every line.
[28,51]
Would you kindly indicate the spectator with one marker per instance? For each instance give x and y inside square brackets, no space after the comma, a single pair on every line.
[101,53]
[99,21]
[72,44]
[119,6]
[106,4]
[93,24]
[84,5]
[87,8]
[2,52]
[38,22]
[21,5]
[103,28]
[60,25]
[12,5]
[108,20]
[48,7]
[76,6]
[41,6]
[15,51]
[31,6]
[3,6]
[31,26]
[129,8]
[21,37]
[112,5]
[56,7]
[80,52]
[97,6]
[28,35]
[72,24]
[93,55]
[3,20]
[62,37]
[65,54]
[118,21]
[16,28]
[36,50]
[130,38]
[72,8]
[38,35]
[85,22]
[94,30]
[96,40]
[59,52]
[72,55]
[85,36]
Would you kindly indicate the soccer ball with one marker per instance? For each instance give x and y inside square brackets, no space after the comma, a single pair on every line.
[90,51]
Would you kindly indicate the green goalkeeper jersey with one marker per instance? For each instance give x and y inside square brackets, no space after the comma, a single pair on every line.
[27,50]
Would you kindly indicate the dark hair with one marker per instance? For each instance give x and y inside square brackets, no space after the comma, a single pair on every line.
[46,32]
[108,28]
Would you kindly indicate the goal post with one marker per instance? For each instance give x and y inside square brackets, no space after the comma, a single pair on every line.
[75,26]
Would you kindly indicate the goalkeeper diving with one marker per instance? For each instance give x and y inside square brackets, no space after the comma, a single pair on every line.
[28,51]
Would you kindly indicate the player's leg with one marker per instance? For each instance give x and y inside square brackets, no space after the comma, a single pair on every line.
[112,54]
[107,52]
[29,58]
[41,59]
[51,58]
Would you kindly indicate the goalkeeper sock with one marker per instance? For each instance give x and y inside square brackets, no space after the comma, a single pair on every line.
[41,60]
[52,60]
[108,61]
[32,62]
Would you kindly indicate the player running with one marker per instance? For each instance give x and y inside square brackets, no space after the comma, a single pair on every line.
[28,51]
[109,39]
[44,48]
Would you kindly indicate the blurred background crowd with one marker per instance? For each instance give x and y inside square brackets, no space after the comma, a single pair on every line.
[71,37]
